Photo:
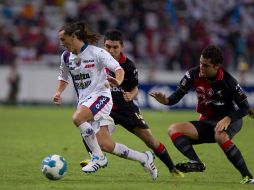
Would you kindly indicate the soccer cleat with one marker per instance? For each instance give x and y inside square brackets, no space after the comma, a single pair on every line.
[95,163]
[83,163]
[246,180]
[149,165]
[191,167]
[176,173]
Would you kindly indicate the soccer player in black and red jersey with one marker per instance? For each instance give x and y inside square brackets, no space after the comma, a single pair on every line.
[125,110]
[221,103]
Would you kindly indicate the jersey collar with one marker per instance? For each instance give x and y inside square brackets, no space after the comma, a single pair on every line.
[220,74]
[122,58]
[83,47]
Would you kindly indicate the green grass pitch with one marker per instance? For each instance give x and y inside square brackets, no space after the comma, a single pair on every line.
[28,134]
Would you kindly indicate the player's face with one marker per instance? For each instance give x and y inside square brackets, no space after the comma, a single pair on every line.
[66,41]
[207,69]
[114,48]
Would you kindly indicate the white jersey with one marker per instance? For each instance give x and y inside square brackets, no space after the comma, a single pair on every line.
[87,70]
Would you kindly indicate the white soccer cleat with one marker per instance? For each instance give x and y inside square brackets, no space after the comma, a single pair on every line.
[95,163]
[150,166]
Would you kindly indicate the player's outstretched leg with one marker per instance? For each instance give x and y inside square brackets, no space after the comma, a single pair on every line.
[148,165]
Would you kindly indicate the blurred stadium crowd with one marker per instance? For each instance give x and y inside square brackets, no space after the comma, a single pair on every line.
[160,34]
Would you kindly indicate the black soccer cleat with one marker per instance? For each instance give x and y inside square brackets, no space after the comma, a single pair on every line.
[190,167]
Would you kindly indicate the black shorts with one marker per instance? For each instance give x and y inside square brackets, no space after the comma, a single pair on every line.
[129,118]
[206,132]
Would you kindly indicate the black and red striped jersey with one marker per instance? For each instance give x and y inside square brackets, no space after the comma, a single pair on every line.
[218,97]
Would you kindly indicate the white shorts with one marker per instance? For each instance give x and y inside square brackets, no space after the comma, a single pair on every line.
[100,105]
[104,122]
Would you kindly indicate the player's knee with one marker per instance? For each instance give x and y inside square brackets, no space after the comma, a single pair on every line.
[220,138]
[76,118]
[172,129]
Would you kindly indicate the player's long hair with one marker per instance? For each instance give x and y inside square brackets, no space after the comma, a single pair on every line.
[81,30]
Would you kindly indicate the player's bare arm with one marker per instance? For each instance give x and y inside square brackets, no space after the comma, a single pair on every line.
[117,81]
[57,99]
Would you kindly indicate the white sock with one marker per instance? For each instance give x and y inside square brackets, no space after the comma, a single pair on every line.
[125,152]
[89,136]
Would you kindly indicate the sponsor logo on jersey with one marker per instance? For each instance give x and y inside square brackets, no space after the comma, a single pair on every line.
[116,89]
[88,61]
[81,76]
[203,95]
[89,66]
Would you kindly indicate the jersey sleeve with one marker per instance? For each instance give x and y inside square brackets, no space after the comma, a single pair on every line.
[107,61]
[238,94]
[183,88]
[240,99]
[63,69]
[186,82]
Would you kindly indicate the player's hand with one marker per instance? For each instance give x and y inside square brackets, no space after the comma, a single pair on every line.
[160,97]
[57,99]
[107,84]
[112,81]
[223,124]
[127,96]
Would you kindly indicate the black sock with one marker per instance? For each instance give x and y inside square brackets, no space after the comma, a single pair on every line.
[183,144]
[235,157]
[162,153]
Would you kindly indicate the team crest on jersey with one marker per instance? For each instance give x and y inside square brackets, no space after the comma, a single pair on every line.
[77,61]
[204,95]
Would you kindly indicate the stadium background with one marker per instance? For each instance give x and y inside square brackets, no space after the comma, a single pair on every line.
[163,37]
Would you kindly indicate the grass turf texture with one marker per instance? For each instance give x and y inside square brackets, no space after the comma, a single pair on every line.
[28,134]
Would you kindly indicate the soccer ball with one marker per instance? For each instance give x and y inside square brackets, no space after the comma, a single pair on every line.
[54,167]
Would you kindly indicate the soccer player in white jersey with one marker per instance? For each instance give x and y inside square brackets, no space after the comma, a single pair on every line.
[86,64]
